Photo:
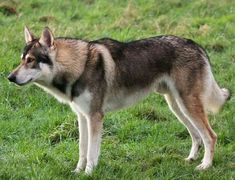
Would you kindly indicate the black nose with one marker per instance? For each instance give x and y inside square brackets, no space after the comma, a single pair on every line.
[12,78]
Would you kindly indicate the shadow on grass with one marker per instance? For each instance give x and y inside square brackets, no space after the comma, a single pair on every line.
[150,115]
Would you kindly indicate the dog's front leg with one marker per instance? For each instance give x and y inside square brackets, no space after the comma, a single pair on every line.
[95,125]
[83,143]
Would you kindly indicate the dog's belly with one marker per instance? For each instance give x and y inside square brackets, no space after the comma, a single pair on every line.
[123,98]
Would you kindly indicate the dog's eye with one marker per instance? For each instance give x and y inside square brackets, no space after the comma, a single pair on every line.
[29,60]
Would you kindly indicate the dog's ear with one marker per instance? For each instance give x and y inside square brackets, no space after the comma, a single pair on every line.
[47,38]
[28,35]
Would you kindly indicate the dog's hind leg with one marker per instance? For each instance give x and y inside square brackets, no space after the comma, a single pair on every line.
[196,139]
[192,106]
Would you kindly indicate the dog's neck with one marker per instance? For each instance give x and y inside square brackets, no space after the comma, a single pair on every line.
[68,70]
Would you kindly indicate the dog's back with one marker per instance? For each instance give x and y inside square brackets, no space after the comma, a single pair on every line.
[140,62]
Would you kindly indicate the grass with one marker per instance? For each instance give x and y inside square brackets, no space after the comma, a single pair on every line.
[38,136]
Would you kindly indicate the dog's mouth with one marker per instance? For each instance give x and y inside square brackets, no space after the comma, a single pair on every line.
[24,83]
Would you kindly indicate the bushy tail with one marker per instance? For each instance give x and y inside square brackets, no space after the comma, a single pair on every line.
[217,98]
[227,94]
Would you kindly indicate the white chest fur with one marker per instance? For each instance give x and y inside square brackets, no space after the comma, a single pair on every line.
[82,103]
[78,104]
[61,97]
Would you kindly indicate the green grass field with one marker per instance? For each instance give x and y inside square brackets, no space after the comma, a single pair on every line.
[38,135]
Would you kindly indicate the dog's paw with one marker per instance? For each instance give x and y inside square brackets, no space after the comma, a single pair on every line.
[88,170]
[203,166]
[80,165]
[189,159]
[77,170]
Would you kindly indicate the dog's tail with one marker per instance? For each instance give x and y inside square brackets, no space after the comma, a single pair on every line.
[217,97]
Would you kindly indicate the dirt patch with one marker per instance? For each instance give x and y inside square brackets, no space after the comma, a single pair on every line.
[47,19]
[8,10]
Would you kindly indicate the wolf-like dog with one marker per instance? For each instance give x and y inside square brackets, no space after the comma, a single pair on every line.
[95,77]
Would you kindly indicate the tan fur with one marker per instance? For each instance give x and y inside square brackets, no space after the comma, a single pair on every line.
[109,65]
[195,111]
[71,57]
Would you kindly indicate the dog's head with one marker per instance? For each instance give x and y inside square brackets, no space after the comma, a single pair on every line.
[36,60]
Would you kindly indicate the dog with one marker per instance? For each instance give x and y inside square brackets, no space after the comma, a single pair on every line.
[95,77]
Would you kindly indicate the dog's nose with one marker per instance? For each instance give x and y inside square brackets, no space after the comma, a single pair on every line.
[12,78]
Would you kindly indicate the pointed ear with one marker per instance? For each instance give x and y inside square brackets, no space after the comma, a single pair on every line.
[47,38]
[28,35]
